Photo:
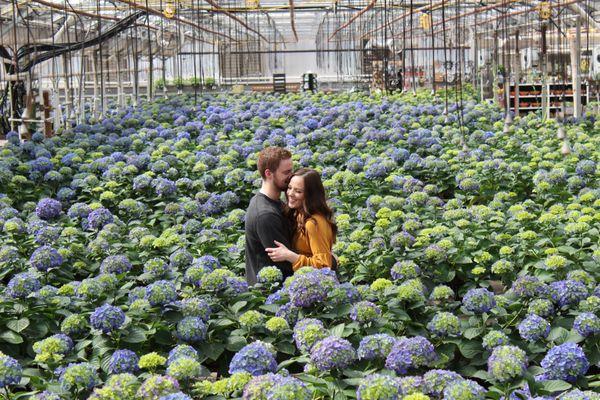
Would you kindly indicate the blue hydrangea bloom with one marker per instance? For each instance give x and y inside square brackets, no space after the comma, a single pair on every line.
[45,257]
[534,328]
[332,352]
[410,353]
[566,361]
[479,300]
[375,346]
[47,209]
[182,350]
[10,371]
[97,219]
[161,293]
[587,324]
[123,361]
[107,318]
[22,285]
[191,329]
[255,358]
[115,265]
[568,292]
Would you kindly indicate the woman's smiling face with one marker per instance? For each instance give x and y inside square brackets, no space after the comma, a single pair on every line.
[295,192]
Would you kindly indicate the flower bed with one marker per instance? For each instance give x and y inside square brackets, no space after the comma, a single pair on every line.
[468,255]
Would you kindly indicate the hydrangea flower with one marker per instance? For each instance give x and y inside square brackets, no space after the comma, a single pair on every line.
[566,362]
[151,361]
[568,292]
[255,358]
[379,387]
[269,275]
[115,265]
[534,328]
[402,270]
[123,361]
[444,324]
[311,287]
[375,346]
[79,376]
[157,386]
[182,350]
[191,329]
[435,381]
[10,371]
[184,368]
[107,318]
[307,332]
[45,257]
[541,307]
[22,285]
[161,293]
[464,390]
[587,324]
[288,388]
[494,339]
[175,396]
[527,286]
[195,307]
[506,363]
[365,312]
[259,385]
[332,352]
[48,209]
[97,219]
[410,353]
[479,300]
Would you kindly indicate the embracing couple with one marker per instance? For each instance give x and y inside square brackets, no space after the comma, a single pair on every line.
[293,234]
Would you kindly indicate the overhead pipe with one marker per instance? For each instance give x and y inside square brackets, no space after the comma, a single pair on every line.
[406,14]
[72,10]
[575,7]
[217,7]
[478,10]
[354,18]
[153,11]
[293,19]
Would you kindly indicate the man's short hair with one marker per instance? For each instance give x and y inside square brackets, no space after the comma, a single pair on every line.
[270,157]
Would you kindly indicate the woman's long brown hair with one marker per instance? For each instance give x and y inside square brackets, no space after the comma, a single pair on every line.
[315,202]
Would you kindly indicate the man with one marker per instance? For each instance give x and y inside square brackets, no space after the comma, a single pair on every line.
[265,222]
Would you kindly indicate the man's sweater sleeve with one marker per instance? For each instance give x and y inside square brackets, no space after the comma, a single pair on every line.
[271,226]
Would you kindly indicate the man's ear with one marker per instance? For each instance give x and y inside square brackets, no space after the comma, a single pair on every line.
[268,173]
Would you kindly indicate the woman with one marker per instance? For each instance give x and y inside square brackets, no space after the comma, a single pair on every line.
[312,222]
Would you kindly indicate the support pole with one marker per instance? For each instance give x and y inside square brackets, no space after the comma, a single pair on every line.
[517,72]
[68,99]
[575,44]
[545,88]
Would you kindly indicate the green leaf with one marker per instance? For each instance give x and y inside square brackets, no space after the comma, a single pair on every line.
[136,335]
[558,335]
[472,333]
[11,337]
[238,306]
[338,330]
[235,343]
[469,349]
[211,350]
[18,325]
[555,386]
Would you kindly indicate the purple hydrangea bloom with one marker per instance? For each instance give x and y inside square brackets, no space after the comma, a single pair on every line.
[585,168]
[375,346]
[528,286]
[191,329]
[587,324]
[410,353]
[44,258]
[568,292]
[175,396]
[182,350]
[22,285]
[123,361]
[115,265]
[237,284]
[307,332]
[365,312]
[164,187]
[48,208]
[107,318]
[464,389]
[378,386]
[97,219]
[479,300]
[310,288]
[332,352]
[566,362]
[79,210]
[255,358]
[10,371]
[436,380]
[161,293]
[534,328]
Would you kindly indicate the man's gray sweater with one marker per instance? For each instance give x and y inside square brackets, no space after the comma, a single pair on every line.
[265,223]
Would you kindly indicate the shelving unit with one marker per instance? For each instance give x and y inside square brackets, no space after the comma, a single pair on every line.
[530,96]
